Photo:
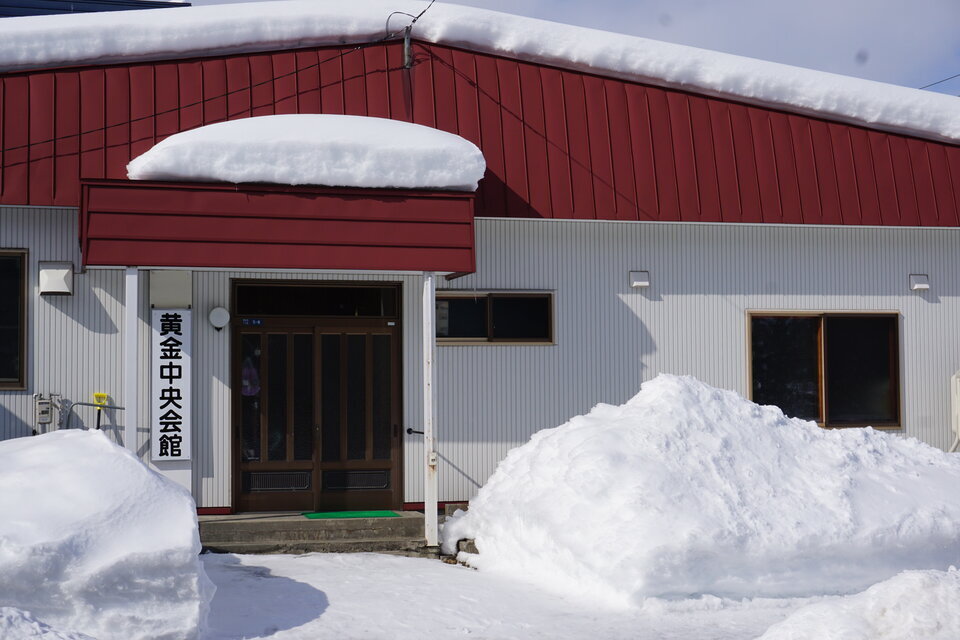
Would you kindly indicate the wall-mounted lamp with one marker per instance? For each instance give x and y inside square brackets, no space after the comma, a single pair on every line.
[219,318]
[639,279]
[56,278]
[919,282]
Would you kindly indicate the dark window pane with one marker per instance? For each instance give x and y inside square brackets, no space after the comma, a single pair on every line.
[462,317]
[250,396]
[861,370]
[786,360]
[277,397]
[356,397]
[521,318]
[302,397]
[11,317]
[330,397]
[382,425]
[304,300]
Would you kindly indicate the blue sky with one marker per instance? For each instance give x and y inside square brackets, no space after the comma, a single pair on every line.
[898,41]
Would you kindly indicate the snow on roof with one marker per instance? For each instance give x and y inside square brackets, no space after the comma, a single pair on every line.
[333,150]
[98,38]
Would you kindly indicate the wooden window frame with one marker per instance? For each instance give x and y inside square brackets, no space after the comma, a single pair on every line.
[442,294]
[895,358]
[20,384]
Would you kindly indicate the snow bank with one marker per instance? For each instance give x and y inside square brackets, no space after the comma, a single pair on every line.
[99,38]
[334,150]
[21,625]
[687,489]
[915,605]
[94,542]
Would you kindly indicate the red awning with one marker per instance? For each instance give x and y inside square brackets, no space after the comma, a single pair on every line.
[161,224]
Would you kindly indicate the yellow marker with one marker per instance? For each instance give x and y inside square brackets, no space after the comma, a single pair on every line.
[100,399]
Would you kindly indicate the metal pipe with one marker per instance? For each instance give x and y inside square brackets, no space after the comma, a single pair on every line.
[88,404]
[430,520]
[130,360]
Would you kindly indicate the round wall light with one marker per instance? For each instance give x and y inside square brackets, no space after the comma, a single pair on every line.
[219,318]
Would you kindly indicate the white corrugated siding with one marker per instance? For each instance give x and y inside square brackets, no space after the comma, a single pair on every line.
[74,342]
[693,319]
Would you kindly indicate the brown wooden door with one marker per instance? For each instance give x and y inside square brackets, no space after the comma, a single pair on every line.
[317,415]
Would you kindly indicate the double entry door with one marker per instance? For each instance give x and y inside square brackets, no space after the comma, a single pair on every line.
[317,414]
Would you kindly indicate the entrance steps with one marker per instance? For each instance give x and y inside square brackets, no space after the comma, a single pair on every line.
[292,533]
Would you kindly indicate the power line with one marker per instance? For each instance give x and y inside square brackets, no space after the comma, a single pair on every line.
[389,35]
[957,75]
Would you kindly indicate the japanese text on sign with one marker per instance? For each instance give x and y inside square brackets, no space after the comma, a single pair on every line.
[170,389]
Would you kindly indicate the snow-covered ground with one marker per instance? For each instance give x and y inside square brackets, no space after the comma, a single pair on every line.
[915,605]
[688,513]
[93,542]
[687,489]
[379,597]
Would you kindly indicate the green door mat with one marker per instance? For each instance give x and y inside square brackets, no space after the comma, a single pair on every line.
[330,515]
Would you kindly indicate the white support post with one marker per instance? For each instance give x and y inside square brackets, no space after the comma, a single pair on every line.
[431,526]
[131,347]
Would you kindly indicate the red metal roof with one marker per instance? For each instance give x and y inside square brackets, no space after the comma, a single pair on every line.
[270,227]
[558,144]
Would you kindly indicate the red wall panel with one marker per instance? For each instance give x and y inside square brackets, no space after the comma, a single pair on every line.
[558,143]
[166,224]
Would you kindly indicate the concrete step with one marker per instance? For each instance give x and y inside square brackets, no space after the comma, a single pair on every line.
[311,530]
[399,546]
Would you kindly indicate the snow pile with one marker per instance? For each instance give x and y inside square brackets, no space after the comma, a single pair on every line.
[334,150]
[94,542]
[20,625]
[100,38]
[915,605]
[687,489]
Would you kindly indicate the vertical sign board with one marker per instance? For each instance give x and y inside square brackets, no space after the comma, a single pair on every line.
[170,385]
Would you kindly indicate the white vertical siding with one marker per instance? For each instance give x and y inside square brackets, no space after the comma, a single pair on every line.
[610,338]
[73,342]
[692,320]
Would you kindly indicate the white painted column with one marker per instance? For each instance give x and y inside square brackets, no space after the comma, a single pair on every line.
[131,347]
[431,526]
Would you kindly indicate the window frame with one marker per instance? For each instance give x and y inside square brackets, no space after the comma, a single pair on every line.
[20,384]
[489,294]
[822,373]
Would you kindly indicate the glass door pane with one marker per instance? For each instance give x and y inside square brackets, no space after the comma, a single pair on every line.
[330,397]
[356,397]
[277,397]
[303,397]
[382,397]
[250,397]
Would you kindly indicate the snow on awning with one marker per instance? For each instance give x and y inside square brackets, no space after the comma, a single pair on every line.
[308,149]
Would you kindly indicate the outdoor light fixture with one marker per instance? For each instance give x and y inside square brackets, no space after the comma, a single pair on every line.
[219,318]
[919,282]
[639,279]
